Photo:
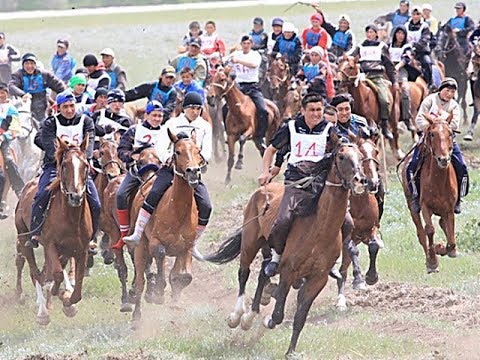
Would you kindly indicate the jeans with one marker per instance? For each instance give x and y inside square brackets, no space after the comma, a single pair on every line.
[126,188]
[11,168]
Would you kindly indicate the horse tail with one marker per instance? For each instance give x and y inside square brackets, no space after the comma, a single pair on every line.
[228,251]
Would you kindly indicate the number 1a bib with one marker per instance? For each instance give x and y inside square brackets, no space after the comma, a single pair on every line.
[307,147]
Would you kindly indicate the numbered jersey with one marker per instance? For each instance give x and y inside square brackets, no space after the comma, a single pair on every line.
[145,136]
[307,147]
[371,53]
[72,134]
[244,73]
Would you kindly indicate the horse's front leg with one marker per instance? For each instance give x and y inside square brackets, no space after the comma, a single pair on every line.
[432,260]
[69,308]
[181,274]
[43,317]
[371,277]
[278,314]
[157,251]
[448,226]
[231,139]
[239,163]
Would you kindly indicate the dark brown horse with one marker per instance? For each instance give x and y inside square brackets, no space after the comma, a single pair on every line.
[313,245]
[241,121]
[61,240]
[165,235]
[438,191]
[278,76]
[475,89]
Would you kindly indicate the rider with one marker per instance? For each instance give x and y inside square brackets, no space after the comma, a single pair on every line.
[117,74]
[32,82]
[277,24]
[113,118]
[8,54]
[315,72]
[62,62]
[188,121]
[78,84]
[211,42]
[439,105]
[187,84]
[401,15]
[137,137]
[374,60]
[96,76]
[194,32]
[74,128]
[429,18]
[99,101]
[315,35]
[258,35]
[161,90]
[289,45]
[192,59]
[419,35]
[9,127]
[246,63]
[462,25]
[401,54]
[308,130]
[342,36]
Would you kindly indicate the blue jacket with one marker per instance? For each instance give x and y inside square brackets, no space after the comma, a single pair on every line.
[194,86]
[63,66]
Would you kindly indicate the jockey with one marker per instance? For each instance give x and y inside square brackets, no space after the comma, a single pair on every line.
[401,54]
[78,84]
[429,18]
[210,41]
[277,24]
[258,35]
[462,25]
[246,63]
[401,15]
[342,36]
[297,136]
[32,82]
[194,32]
[113,118]
[137,137]
[62,62]
[186,122]
[315,72]
[9,127]
[8,55]
[99,101]
[187,84]
[74,128]
[192,59]
[117,75]
[439,105]
[161,90]
[374,60]
[419,35]
[315,35]
[289,45]
[96,76]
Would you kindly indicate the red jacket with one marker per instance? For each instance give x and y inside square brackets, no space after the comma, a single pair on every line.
[311,38]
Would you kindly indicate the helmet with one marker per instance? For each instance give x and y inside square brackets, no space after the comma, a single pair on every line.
[90,60]
[115,95]
[153,105]
[288,27]
[192,99]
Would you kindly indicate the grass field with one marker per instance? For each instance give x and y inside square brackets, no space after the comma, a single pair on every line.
[407,315]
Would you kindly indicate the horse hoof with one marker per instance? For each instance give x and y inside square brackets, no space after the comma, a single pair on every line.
[371,279]
[431,269]
[265,300]
[297,284]
[233,320]
[239,166]
[135,324]
[108,257]
[453,253]
[246,321]
[341,303]
[126,307]
[468,137]
[359,285]
[136,316]
[268,322]
[70,311]
[43,320]
[227,181]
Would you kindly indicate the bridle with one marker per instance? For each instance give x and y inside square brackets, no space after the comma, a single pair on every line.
[347,185]
[62,168]
[224,87]
[428,143]
[183,175]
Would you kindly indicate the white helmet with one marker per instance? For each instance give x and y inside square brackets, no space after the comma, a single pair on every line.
[344,17]
[288,27]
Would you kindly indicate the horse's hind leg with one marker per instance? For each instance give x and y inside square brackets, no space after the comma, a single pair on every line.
[19,263]
[122,273]
[372,275]
[346,261]
[239,163]
[140,257]
[231,139]
[279,310]
[448,226]
[181,275]
[158,252]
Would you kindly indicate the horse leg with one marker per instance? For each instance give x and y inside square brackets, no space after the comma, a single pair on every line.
[140,257]
[305,298]
[421,235]
[240,307]
[279,311]
[71,273]
[181,274]
[371,277]
[231,157]
[358,283]
[448,226]
[107,252]
[432,261]
[239,163]
[158,252]
[122,273]
[346,260]
[19,263]
[476,112]
[68,302]
[43,318]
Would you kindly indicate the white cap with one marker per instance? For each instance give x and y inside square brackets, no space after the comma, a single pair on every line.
[427,7]
[318,50]
[344,17]
[108,51]
[288,27]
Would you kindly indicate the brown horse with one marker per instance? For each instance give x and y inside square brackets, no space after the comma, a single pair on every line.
[109,224]
[61,240]
[313,245]
[278,76]
[438,191]
[165,235]
[293,101]
[366,103]
[241,121]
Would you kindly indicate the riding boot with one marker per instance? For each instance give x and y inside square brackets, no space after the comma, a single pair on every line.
[272,267]
[14,176]
[385,130]
[142,221]
[124,223]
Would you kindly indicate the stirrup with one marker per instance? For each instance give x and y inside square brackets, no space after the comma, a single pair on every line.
[271,269]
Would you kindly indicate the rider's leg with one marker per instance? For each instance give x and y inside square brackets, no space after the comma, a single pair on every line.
[160,185]
[383,105]
[380,196]
[405,99]
[204,207]
[40,203]
[412,182]
[461,172]
[12,169]
[39,110]
[262,114]
[426,62]
[94,205]
[2,188]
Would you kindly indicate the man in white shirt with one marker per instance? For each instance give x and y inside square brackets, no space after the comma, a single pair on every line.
[246,63]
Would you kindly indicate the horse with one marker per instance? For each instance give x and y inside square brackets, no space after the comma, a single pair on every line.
[165,235]
[278,76]
[438,191]
[240,123]
[293,101]
[313,245]
[61,240]
[450,53]
[364,212]
[475,89]
[350,79]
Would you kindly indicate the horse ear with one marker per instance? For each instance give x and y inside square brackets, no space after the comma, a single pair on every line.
[227,70]
[172,136]
[450,117]
[353,138]
[193,135]
[60,144]
[85,142]
[356,58]
[334,139]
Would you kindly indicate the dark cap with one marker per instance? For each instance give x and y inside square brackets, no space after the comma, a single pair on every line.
[277,21]
[258,21]
[246,38]
[195,42]
[405,2]
[63,43]
[341,98]
[192,99]
[460,5]
[169,71]
[101,91]
[371,27]
[90,60]
[29,57]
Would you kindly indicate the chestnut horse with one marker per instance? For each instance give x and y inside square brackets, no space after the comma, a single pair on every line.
[165,235]
[313,245]
[63,239]
[438,191]
[278,76]
[241,121]
[366,104]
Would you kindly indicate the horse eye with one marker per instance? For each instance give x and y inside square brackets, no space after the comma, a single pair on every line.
[177,152]
[101,153]
[341,157]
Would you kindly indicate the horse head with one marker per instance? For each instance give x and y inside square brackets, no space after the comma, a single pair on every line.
[347,163]
[370,162]
[187,160]
[439,141]
[347,72]
[109,161]
[446,42]
[278,73]
[72,170]
[146,160]
[220,85]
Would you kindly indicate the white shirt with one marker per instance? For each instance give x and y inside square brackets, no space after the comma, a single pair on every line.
[244,73]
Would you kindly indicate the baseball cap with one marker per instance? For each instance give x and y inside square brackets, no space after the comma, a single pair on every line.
[108,51]
[196,42]
[258,21]
[65,96]
[460,5]
[168,70]
[63,43]
[288,27]
[427,7]
[153,105]
[277,21]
